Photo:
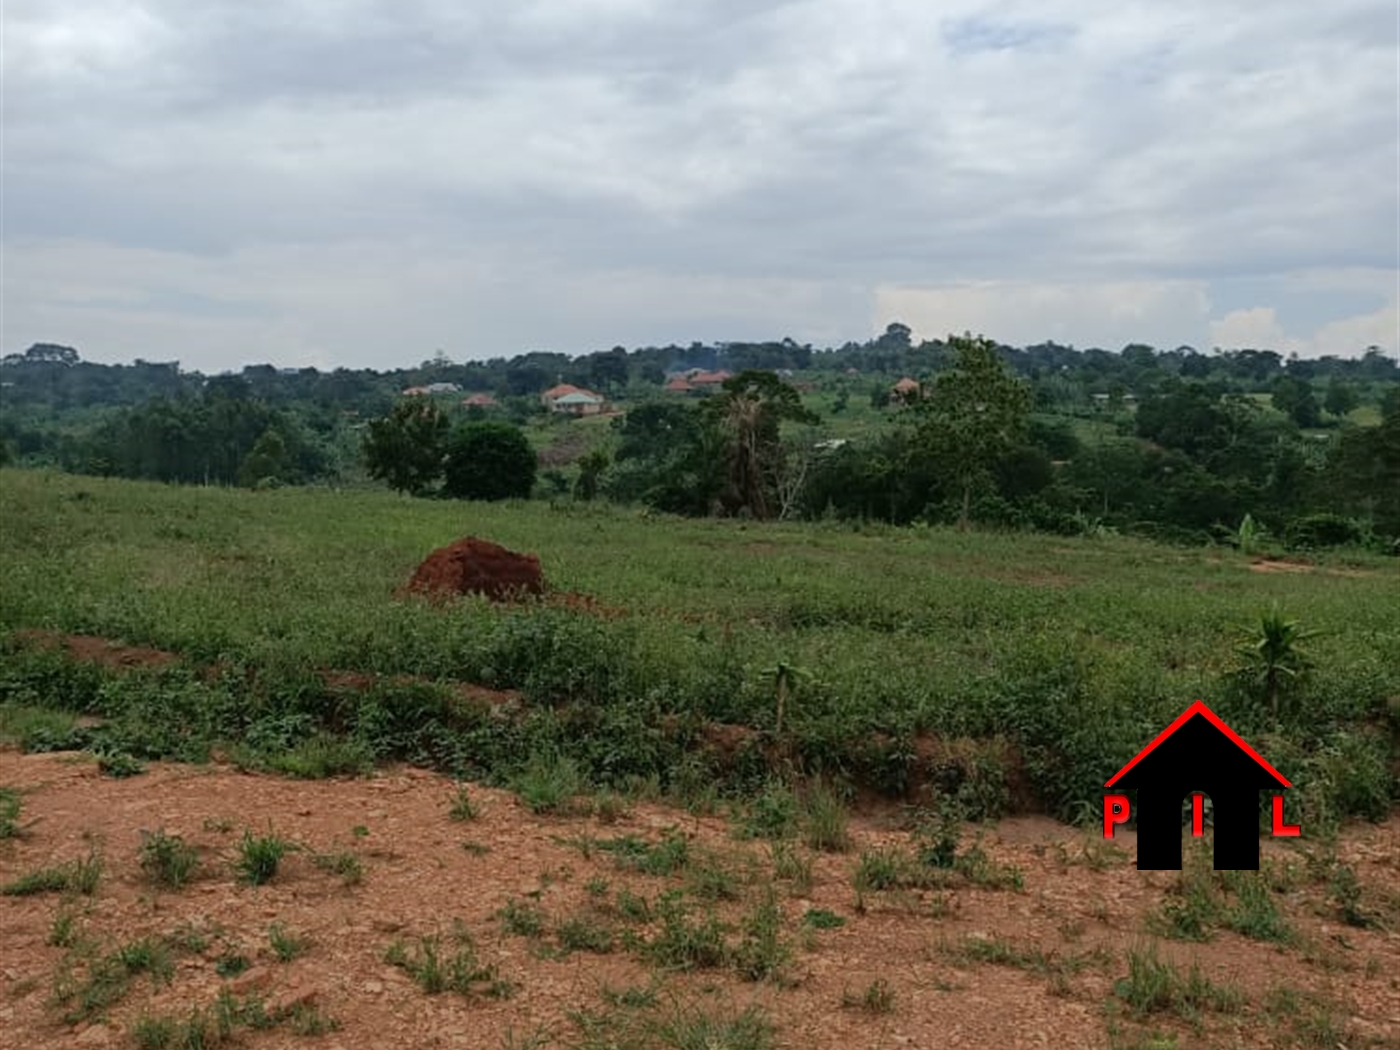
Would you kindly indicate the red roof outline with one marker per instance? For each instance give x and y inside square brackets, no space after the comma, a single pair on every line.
[1199,708]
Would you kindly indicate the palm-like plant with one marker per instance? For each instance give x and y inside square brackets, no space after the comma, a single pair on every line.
[1272,657]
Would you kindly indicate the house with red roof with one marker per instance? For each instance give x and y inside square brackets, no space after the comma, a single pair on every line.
[572,400]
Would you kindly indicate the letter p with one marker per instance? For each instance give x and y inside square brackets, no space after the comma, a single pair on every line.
[1115,811]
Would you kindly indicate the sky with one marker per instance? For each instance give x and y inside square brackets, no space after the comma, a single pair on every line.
[364,184]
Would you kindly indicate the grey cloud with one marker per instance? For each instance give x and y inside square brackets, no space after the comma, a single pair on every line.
[837,147]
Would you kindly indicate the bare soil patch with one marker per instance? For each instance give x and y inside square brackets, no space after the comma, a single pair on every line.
[94,649]
[423,871]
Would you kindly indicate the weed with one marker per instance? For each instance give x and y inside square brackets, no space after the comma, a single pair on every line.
[609,807]
[157,1033]
[1344,891]
[1155,985]
[523,920]
[821,919]
[684,943]
[693,1029]
[344,863]
[825,821]
[167,860]
[63,930]
[708,879]
[360,831]
[878,998]
[78,876]
[662,858]
[548,783]
[633,997]
[596,887]
[231,964]
[10,806]
[1254,913]
[632,907]
[462,807]
[773,814]
[792,866]
[582,934]
[308,1019]
[762,954]
[222,825]
[879,869]
[107,978]
[119,765]
[259,857]
[459,972]
[476,849]
[286,946]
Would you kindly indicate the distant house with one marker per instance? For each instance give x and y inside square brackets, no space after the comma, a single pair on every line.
[678,385]
[443,388]
[572,400]
[831,444]
[416,391]
[479,401]
[708,379]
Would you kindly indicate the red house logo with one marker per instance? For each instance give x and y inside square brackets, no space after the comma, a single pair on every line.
[1199,755]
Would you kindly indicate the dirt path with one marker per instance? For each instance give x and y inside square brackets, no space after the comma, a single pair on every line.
[423,870]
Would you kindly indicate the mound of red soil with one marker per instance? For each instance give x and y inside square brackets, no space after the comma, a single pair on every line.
[473,566]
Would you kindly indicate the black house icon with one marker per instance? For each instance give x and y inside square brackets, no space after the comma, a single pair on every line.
[1198,752]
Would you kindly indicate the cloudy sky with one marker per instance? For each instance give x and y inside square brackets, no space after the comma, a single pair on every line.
[362,183]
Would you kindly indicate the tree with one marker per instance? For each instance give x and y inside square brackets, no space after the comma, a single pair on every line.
[590,469]
[1341,399]
[748,415]
[406,447]
[1295,399]
[975,415]
[267,462]
[488,461]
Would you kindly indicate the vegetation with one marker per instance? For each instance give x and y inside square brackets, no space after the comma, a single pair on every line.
[1046,665]
[259,857]
[167,860]
[1174,444]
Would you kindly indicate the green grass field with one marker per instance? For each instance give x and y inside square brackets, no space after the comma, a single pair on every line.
[1076,651]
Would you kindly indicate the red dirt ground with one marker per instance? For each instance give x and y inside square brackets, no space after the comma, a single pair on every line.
[418,879]
[476,566]
[93,649]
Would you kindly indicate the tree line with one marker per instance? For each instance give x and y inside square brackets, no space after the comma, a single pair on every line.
[997,436]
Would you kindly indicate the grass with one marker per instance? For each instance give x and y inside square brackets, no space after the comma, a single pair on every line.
[436,969]
[1154,985]
[167,860]
[10,807]
[549,784]
[877,998]
[521,919]
[78,876]
[1202,901]
[286,946]
[582,933]
[86,985]
[1074,650]
[260,856]
[634,1021]
[825,821]
[632,853]
[462,807]
[343,863]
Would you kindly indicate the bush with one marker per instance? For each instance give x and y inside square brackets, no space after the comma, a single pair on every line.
[489,461]
[1318,531]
